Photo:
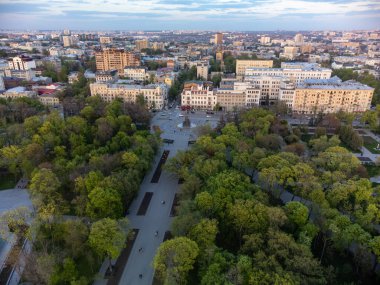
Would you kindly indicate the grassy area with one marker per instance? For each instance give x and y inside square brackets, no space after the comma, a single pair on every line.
[7,181]
[370,144]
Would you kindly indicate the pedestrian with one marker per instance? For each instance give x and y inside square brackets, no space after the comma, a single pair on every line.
[140,249]
[140,275]
[156,233]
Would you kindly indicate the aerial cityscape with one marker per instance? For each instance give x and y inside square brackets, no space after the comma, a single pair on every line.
[174,142]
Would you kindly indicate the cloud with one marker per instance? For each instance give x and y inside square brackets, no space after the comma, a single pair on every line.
[187,12]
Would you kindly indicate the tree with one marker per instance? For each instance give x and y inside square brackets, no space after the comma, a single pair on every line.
[107,238]
[297,213]
[174,259]
[103,203]
[15,221]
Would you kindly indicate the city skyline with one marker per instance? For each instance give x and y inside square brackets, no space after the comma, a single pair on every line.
[242,15]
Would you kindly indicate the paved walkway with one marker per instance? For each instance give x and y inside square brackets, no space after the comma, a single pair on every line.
[157,217]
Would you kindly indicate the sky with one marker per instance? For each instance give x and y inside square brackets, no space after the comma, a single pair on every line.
[214,15]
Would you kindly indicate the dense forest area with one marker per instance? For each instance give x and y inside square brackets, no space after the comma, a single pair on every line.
[233,226]
[84,171]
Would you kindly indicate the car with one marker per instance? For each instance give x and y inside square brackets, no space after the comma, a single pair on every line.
[180,115]
[163,114]
[208,116]
[192,112]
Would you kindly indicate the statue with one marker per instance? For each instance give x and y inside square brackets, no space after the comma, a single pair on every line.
[186,122]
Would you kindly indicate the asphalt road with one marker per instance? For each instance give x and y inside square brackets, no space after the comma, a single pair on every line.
[157,217]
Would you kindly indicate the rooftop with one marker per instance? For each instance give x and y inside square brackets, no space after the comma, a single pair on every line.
[333,83]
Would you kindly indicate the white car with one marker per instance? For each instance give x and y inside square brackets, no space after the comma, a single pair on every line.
[180,115]
[208,116]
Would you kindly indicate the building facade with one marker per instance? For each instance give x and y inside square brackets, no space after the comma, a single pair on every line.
[136,73]
[109,59]
[242,65]
[202,70]
[21,63]
[198,95]
[155,95]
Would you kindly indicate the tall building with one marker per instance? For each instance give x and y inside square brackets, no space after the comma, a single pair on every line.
[202,70]
[21,63]
[289,52]
[264,40]
[242,65]
[68,41]
[154,94]
[141,44]
[67,32]
[298,40]
[331,96]
[111,58]
[218,38]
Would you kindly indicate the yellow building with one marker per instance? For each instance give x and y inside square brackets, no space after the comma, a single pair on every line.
[218,38]
[141,44]
[110,59]
[105,40]
[242,65]
[331,96]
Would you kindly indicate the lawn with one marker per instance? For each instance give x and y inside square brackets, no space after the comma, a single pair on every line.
[370,144]
[7,181]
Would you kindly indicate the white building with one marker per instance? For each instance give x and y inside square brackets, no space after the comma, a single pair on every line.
[298,40]
[21,63]
[265,40]
[202,70]
[198,95]
[138,73]
[154,94]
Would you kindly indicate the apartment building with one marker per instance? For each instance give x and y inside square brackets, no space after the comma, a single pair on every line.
[105,40]
[269,87]
[18,92]
[136,73]
[264,40]
[109,76]
[21,63]
[242,65]
[23,74]
[155,94]
[296,72]
[202,70]
[141,44]
[218,38]
[112,58]
[330,96]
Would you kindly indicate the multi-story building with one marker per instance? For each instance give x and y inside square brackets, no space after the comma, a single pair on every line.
[298,39]
[69,41]
[218,38]
[18,92]
[49,100]
[22,74]
[21,63]
[289,52]
[158,46]
[105,40]
[138,73]
[242,65]
[286,93]
[154,94]
[198,95]
[331,96]
[296,72]
[111,58]
[202,70]
[265,40]
[269,87]
[141,44]
[109,76]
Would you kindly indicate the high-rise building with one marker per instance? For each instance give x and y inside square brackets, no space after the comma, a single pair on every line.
[21,63]
[264,40]
[111,58]
[218,38]
[141,44]
[298,40]
[242,65]
[202,70]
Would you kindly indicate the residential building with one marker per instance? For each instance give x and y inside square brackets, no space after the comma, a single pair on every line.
[265,40]
[141,44]
[218,38]
[296,72]
[202,70]
[105,40]
[108,76]
[287,92]
[158,46]
[69,41]
[49,100]
[154,94]
[138,73]
[269,87]
[298,39]
[315,96]
[290,52]
[111,58]
[21,63]
[18,92]
[22,74]
[242,65]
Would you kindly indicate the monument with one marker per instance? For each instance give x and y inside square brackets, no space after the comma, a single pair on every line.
[186,124]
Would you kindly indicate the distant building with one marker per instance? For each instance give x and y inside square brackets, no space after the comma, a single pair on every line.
[242,65]
[110,59]
[21,63]
[298,39]
[2,86]
[290,52]
[202,70]
[265,40]
[141,44]
[105,40]
[69,41]
[108,76]
[218,38]
[158,46]
[18,92]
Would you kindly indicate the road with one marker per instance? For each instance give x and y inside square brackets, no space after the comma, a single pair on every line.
[157,217]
